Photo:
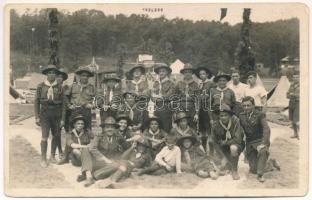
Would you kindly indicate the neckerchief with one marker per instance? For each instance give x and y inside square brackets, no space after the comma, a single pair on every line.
[187,86]
[181,131]
[228,133]
[131,113]
[78,136]
[136,84]
[153,134]
[50,94]
[201,84]
[82,86]
[222,93]
[162,81]
[111,91]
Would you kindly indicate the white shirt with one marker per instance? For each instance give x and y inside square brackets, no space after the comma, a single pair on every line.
[170,157]
[257,92]
[239,90]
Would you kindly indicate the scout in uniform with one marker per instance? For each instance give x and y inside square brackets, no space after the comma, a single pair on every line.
[204,74]
[109,95]
[167,160]
[239,91]
[81,95]
[293,95]
[163,90]
[257,132]
[228,137]
[124,133]
[137,81]
[103,148]
[155,135]
[195,160]
[135,158]
[256,91]
[187,90]
[49,111]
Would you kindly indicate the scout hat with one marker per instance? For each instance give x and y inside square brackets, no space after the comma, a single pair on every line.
[125,117]
[181,139]
[180,115]
[171,139]
[221,75]
[111,76]
[154,118]
[86,69]
[160,66]
[76,118]
[50,68]
[137,66]
[143,142]
[208,71]
[109,121]
[187,66]
[63,72]
[223,108]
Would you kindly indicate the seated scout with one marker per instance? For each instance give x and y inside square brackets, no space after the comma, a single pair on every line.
[155,135]
[194,159]
[167,160]
[136,157]
[257,132]
[76,139]
[123,131]
[228,137]
[104,147]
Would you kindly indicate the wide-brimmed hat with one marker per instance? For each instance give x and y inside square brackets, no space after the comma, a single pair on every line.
[180,115]
[187,66]
[111,76]
[85,69]
[191,137]
[48,68]
[154,118]
[223,108]
[109,121]
[143,142]
[221,75]
[159,66]
[125,117]
[63,72]
[171,139]
[76,118]
[208,71]
[137,66]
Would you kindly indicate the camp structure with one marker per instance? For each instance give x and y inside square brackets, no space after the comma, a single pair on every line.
[279,98]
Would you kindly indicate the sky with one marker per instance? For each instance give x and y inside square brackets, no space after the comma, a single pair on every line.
[259,12]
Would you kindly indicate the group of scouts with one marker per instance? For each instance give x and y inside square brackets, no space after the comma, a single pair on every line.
[200,128]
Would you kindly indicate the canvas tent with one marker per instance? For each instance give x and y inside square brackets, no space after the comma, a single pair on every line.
[279,98]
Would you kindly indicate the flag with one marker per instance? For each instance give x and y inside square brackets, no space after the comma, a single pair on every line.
[223,13]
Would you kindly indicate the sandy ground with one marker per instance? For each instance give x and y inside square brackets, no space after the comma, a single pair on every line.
[283,148]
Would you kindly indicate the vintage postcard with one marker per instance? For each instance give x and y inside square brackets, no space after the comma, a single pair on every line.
[156,100]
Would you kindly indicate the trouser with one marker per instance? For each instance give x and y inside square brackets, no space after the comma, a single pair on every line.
[257,160]
[204,128]
[164,113]
[232,154]
[156,169]
[50,118]
[115,172]
[189,108]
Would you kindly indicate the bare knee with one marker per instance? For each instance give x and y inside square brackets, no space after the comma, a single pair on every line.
[214,175]
[234,150]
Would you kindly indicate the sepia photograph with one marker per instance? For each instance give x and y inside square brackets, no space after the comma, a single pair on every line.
[156,100]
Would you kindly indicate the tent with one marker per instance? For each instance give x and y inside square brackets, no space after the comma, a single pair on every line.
[176,66]
[279,98]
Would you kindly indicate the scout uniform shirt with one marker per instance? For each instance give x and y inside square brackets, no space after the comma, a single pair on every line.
[140,87]
[164,88]
[158,135]
[109,96]
[81,95]
[293,93]
[222,96]
[187,89]
[82,138]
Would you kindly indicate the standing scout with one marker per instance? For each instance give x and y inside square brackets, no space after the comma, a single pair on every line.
[137,81]
[204,74]
[187,90]
[257,92]
[163,91]
[81,95]
[293,95]
[109,95]
[49,111]
[257,132]
[228,137]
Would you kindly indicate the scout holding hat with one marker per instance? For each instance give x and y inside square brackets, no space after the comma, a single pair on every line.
[137,81]
[109,95]
[228,137]
[49,111]
[104,147]
[163,89]
[167,160]
[187,90]
[81,95]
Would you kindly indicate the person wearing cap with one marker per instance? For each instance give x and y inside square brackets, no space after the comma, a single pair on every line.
[81,95]
[109,95]
[137,81]
[103,150]
[155,134]
[124,133]
[49,109]
[195,160]
[187,90]
[293,94]
[239,91]
[167,160]
[162,92]
[257,133]
[204,74]
[135,158]
[76,139]
[256,91]
[135,109]
[228,137]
